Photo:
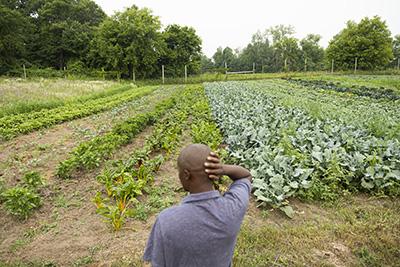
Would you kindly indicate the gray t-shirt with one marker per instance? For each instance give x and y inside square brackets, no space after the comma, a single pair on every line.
[201,231]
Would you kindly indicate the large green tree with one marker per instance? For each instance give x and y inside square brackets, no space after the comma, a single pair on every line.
[206,64]
[14,29]
[226,55]
[182,47]
[64,30]
[129,41]
[369,41]
[287,54]
[259,52]
[396,50]
[312,52]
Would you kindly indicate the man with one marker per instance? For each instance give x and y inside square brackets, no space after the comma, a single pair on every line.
[202,230]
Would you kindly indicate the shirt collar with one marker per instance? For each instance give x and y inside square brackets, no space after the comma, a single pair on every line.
[201,196]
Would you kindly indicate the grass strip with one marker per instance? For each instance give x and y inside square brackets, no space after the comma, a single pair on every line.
[11,126]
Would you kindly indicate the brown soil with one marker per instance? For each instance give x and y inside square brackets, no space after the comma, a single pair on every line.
[43,150]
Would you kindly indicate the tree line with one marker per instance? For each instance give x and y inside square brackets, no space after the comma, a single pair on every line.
[276,49]
[78,35]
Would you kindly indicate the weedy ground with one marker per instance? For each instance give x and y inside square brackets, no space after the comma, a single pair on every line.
[23,95]
[356,230]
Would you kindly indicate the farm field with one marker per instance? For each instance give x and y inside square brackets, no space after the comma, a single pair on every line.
[325,162]
[377,81]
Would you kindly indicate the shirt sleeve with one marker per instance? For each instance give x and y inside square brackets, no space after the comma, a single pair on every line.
[239,193]
[154,251]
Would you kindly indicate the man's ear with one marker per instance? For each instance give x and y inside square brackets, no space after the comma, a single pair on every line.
[186,174]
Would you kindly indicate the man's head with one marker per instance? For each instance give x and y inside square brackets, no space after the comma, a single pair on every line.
[191,168]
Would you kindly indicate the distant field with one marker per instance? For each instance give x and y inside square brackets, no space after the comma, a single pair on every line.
[387,81]
[19,96]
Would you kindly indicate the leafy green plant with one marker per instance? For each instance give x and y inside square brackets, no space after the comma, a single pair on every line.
[291,152]
[361,91]
[124,181]
[89,154]
[21,201]
[33,180]
[13,125]
[114,215]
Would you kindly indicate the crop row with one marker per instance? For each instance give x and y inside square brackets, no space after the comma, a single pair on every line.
[11,126]
[291,153]
[90,154]
[379,117]
[376,93]
[124,181]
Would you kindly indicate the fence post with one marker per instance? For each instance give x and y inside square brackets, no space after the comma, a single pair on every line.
[332,65]
[103,73]
[305,65]
[254,67]
[24,71]
[65,73]
[285,67]
[355,65]
[398,63]
[133,75]
[162,74]
[185,74]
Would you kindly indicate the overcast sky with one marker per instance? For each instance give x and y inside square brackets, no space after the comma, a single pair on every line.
[232,23]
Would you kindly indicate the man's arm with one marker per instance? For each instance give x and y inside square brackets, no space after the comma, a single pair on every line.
[214,169]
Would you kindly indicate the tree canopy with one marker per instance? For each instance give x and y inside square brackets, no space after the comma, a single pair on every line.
[64,33]
[369,41]
[128,41]
[78,34]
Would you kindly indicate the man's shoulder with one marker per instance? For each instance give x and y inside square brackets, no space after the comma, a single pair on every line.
[169,212]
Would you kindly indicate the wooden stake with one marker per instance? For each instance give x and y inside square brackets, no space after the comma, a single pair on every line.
[254,67]
[332,65]
[398,63]
[285,64]
[162,74]
[305,65]
[24,72]
[185,74]
[104,74]
[133,75]
[355,65]
[226,68]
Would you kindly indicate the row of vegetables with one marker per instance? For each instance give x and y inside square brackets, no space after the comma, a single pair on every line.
[89,154]
[292,153]
[13,125]
[377,93]
[124,181]
[379,117]
[21,200]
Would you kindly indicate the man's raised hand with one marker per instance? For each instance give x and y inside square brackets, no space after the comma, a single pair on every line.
[213,167]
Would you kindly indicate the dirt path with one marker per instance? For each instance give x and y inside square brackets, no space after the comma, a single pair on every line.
[67,231]
[43,150]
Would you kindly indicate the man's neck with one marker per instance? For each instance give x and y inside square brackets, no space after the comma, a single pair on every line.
[202,188]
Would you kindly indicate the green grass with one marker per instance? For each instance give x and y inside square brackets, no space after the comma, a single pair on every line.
[21,96]
[355,231]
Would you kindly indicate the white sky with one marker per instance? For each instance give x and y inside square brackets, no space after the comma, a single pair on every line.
[232,23]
